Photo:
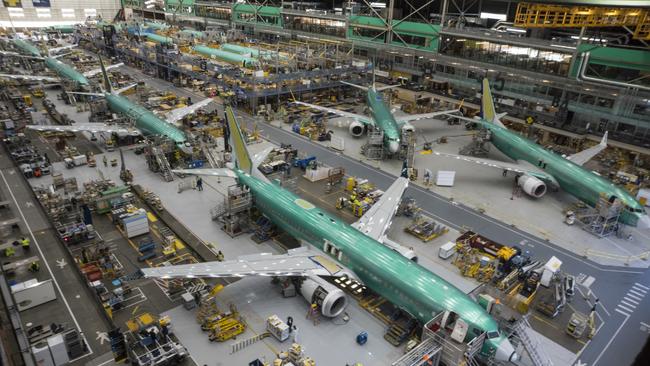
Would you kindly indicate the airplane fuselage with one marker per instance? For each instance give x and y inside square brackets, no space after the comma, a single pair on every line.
[147,122]
[66,71]
[573,178]
[401,281]
[384,120]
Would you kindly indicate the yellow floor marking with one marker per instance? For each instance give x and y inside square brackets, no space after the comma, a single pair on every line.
[546,322]
[151,217]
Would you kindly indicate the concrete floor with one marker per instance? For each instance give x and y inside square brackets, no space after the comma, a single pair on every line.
[485,189]
[186,207]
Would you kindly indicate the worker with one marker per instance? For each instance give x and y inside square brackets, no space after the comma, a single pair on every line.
[34,267]
[10,251]
[24,242]
[220,256]
[105,161]
[199,183]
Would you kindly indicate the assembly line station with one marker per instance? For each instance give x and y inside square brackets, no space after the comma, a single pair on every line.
[335,183]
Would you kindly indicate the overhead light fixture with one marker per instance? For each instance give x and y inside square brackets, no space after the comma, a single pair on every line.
[563,46]
[150,6]
[378,5]
[493,16]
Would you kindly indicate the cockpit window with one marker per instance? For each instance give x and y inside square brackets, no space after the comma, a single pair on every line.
[493,334]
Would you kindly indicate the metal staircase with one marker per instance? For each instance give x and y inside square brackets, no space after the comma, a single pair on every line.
[531,343]
[426,353]
[163,164]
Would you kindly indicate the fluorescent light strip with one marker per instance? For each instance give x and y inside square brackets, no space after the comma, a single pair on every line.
[494,16]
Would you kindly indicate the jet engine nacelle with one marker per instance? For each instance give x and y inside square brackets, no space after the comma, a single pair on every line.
[356,128]
[330,299]
[533,187]
[408,127]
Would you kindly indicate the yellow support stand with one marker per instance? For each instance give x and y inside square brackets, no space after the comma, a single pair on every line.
[532,15]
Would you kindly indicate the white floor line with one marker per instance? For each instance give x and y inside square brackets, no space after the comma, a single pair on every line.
[639,289]
[627,317]
[637,293]
[628,304]
[630,300]
[621,312]
[636,297]
[47,265]
[625,308]
[642,286]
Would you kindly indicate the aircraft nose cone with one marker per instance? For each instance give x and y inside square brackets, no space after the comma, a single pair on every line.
[393,146]
[506,352]
[643,223]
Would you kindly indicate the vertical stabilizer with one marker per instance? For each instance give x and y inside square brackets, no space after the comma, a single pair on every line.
[240,151]
[488,111]
[107,83]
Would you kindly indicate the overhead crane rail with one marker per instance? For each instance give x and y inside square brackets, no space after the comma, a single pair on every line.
[533,15]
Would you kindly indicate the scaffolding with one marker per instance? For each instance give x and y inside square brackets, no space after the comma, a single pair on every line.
[532,15]
[603,219]
[234,212]
[374,147]
[156,152]
[480,145]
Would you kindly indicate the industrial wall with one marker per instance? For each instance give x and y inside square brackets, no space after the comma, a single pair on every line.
[43,13]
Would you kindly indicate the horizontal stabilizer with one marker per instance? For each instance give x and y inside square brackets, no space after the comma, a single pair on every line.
[216,172]
[355,85]
[386,87]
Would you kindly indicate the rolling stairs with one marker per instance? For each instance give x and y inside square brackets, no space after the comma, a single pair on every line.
[538,357]
[428,352]
[163,164]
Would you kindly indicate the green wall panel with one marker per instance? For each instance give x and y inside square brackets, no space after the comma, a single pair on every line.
[413,35]
[615,57]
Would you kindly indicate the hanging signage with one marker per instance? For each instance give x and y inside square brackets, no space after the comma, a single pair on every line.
[12,3]
[41,3]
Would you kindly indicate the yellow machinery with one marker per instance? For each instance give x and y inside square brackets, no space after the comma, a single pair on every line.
[37,92]
[27,99]
[532,15]
[227,327]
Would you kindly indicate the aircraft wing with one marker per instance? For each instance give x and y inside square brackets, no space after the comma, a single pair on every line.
[376,221]
[214,172]
[93,72]
[359,117]
[178,114]
[89,127]
[518,167]
[54,50]
[584,156]
[301,261]
[9,53]
[30,77]
[416,117]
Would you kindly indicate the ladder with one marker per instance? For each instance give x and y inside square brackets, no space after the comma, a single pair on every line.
[427,350]
[163,164]
[531,343]
[236,347]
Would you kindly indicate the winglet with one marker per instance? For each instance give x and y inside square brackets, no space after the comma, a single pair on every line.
[107,82]
[354,85]
[603,141]
[240,151]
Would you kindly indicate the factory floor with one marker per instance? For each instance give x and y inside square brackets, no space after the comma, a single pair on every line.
[485,190]
[74,307]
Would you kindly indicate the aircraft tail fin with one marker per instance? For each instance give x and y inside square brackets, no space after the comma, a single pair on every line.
[240,152]
[107,82]
[488,111]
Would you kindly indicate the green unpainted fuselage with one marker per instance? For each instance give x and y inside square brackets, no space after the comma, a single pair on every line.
[401,281]
[62,69]
[384,119]
[145,120]
[158,38]
[573,178]
[225,56]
